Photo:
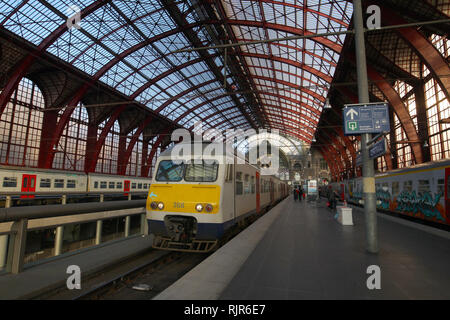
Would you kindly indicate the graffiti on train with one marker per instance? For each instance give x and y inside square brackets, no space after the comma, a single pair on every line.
[423,202]
[408,202]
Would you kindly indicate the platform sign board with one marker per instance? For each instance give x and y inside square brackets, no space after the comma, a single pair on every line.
[378,149]
[312,187]
[366,118]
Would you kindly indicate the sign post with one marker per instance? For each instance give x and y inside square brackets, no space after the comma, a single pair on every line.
[370,212]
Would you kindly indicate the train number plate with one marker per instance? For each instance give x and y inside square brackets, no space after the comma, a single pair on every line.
[178,205]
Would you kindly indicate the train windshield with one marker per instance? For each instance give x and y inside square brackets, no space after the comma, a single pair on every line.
[169,171]
[201,172]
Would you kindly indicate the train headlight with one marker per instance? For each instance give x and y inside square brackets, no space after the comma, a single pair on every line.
[199,207]
[209,207]
[160,206]
[154,205]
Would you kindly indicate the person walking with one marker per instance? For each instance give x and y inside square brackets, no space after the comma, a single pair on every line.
[300,194]
[295,194]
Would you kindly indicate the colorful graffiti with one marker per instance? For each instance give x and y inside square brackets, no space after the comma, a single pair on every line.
[423,202]
[407,202]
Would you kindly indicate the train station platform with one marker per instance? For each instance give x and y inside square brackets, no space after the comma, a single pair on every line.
[39,278]
[299,251]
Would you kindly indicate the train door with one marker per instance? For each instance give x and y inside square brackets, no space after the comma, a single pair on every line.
[258,194]
[28,185]
[447,194]
[126,187]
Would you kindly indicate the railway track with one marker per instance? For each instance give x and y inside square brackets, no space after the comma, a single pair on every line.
[155,270]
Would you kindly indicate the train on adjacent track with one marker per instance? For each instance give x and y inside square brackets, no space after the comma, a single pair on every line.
[421,192]
[192,205]
[21,183]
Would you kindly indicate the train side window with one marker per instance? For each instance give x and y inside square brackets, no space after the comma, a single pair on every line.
[59,183]
[71,184]
[133,186]
[253,185]
[103,184]
[24,182]
[145,186]
[111,185]
[424,186]
[95,184]
[395,188]
[119,185]
[440,186]
[139,185]
[407,186]
[45,183]
[9,182]
[239,187]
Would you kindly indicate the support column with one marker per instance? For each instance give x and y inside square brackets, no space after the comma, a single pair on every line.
[422,120]
[98,232]
[127,226]
[16,250]
[4,240]
[370,210]
[60,232]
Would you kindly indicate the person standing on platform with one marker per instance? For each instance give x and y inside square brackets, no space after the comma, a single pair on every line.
[295,194]
[300,194]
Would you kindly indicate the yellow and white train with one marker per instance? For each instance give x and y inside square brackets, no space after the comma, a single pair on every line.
[192,205]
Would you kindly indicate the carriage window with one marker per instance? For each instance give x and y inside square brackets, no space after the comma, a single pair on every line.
[71,184]
[440,186]
[96,184]
[169,171]
[395,188]
[119,185]
[407,186]
[24,182]
[133,186]
[9,182]
[204,172]
[103,184]
[111,185]
[145,186]
[239,187]
[59,183]
[424,186]
[45,183]
[253,185]
[139,185]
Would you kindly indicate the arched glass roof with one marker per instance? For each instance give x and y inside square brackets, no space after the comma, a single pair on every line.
[129,46]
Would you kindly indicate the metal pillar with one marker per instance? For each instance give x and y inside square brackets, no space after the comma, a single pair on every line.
[60,232]
[127,226]
[16,250]
[370,209]
[4,240]
[98,232]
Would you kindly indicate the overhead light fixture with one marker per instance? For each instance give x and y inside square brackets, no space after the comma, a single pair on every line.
[313,140]
[327,104]
[425,145]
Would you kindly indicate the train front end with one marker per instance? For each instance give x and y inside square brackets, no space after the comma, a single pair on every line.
[184,205]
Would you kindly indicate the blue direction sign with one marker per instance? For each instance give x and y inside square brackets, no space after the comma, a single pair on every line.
[378,149]
[366,118]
